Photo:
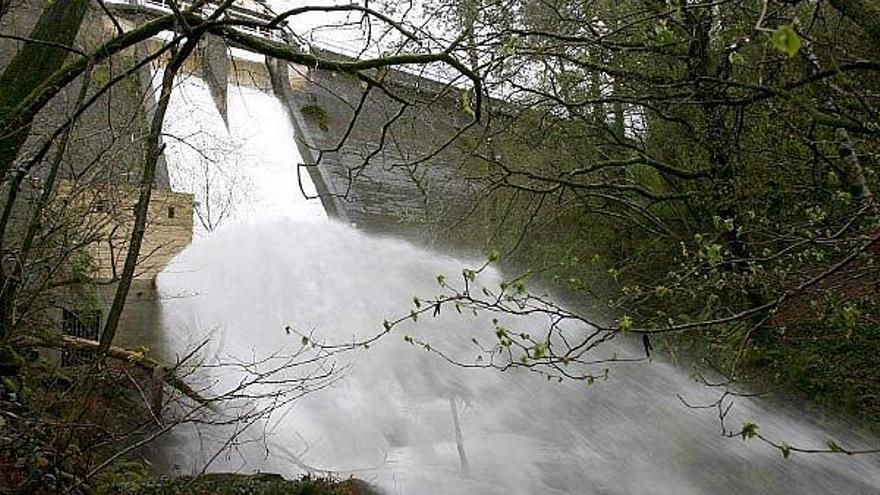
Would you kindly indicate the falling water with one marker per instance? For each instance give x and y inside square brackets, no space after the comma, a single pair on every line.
[411,423]
[245,171]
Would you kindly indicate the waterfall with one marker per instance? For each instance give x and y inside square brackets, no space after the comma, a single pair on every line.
[405,419]
[244,173]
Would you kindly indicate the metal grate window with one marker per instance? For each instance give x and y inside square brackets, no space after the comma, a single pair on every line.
[85,326]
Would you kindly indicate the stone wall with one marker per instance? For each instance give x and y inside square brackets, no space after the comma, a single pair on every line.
[92,207]
[391,170]
[107,148]
[107,212]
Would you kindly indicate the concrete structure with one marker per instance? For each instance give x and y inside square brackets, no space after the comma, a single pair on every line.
[90,211]
[378,163]
[384,166]
[109,214]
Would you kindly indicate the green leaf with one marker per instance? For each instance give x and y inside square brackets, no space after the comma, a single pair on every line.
[508,48]
[539,351]
[626,323]
[749,430]
[713,254]
[464,100]
[850,315]
[494,256]
[786,40]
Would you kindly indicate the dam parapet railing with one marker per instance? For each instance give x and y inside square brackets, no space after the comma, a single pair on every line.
[252,11]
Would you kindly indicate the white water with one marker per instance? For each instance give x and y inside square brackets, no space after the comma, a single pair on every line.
[388,419]
[243,174]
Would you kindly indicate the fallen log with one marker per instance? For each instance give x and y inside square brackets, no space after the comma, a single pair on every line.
[135,358]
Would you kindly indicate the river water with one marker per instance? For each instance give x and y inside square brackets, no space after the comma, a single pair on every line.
[408,421]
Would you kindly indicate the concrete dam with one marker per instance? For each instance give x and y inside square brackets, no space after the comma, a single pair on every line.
[380,164]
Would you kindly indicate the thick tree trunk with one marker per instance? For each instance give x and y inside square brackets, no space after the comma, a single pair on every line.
[56,29]
[141,209]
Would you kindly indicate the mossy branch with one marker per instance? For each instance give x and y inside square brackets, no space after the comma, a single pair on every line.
[133,357]
[20,116]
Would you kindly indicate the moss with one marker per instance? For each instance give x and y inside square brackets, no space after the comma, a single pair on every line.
[100,75]
[84,268]
[317,115]
[10,361]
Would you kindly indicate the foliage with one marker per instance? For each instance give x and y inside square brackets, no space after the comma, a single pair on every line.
[705,174]
[226,484]
[39,448]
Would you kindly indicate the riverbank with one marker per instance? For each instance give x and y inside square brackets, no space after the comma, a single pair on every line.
[232,484]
